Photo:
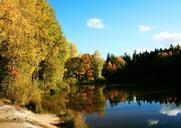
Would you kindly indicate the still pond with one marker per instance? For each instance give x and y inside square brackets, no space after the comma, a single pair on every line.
[135,108]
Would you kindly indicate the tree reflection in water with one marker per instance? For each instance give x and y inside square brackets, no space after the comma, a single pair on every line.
[92,99]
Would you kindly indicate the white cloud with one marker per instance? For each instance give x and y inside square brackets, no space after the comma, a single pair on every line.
[170,109]
[144,28]
[152,122]
[138,50]
[95,23]
[167,38]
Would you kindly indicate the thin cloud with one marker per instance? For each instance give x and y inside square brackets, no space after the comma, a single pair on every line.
[167,38]
[95,23]
[144,28]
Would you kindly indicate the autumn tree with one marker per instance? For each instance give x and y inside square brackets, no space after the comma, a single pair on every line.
[29,36]
[112,67]
[73,68]
[72,50]
[87,67]
[157,66]
[97,63]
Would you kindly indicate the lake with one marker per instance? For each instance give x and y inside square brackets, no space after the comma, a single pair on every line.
[118,107]
[132,107]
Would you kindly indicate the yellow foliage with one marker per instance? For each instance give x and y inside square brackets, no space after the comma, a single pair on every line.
[29,34]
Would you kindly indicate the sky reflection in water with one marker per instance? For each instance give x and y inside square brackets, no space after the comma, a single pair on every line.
[137,114]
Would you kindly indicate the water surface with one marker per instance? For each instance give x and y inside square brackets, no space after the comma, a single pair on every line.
[137,108]
[118,107]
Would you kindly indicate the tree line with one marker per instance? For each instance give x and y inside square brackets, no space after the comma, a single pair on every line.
[36,57]
[158,66]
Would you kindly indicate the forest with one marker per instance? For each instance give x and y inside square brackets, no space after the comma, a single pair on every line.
[33,49]
[36,59]
[160,66]
[36,55]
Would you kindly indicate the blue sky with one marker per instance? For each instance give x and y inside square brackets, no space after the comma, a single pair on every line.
[119,26]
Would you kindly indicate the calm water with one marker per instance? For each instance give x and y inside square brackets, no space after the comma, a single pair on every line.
[137,108]
[132,115]
[119,107]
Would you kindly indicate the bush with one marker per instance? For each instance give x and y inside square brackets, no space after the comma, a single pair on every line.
[71,81]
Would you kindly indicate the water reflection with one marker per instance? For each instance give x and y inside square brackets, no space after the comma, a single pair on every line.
[57,104]
[152,122]
[170,109]
[88,101]
[123,107]
[142,95]
[128,107]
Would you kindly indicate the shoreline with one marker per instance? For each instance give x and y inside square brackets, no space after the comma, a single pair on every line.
[12,116]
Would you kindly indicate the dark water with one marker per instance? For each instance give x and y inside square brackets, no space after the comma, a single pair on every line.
[132,115]
[136,108]
[118,107]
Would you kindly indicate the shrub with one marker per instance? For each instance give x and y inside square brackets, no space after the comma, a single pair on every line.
[71,81]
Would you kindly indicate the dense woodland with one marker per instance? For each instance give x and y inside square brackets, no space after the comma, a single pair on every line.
[160,66]
[35,56]
[33,49]
[37,61]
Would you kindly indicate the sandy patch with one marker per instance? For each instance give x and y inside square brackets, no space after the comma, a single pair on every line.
[16,117]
